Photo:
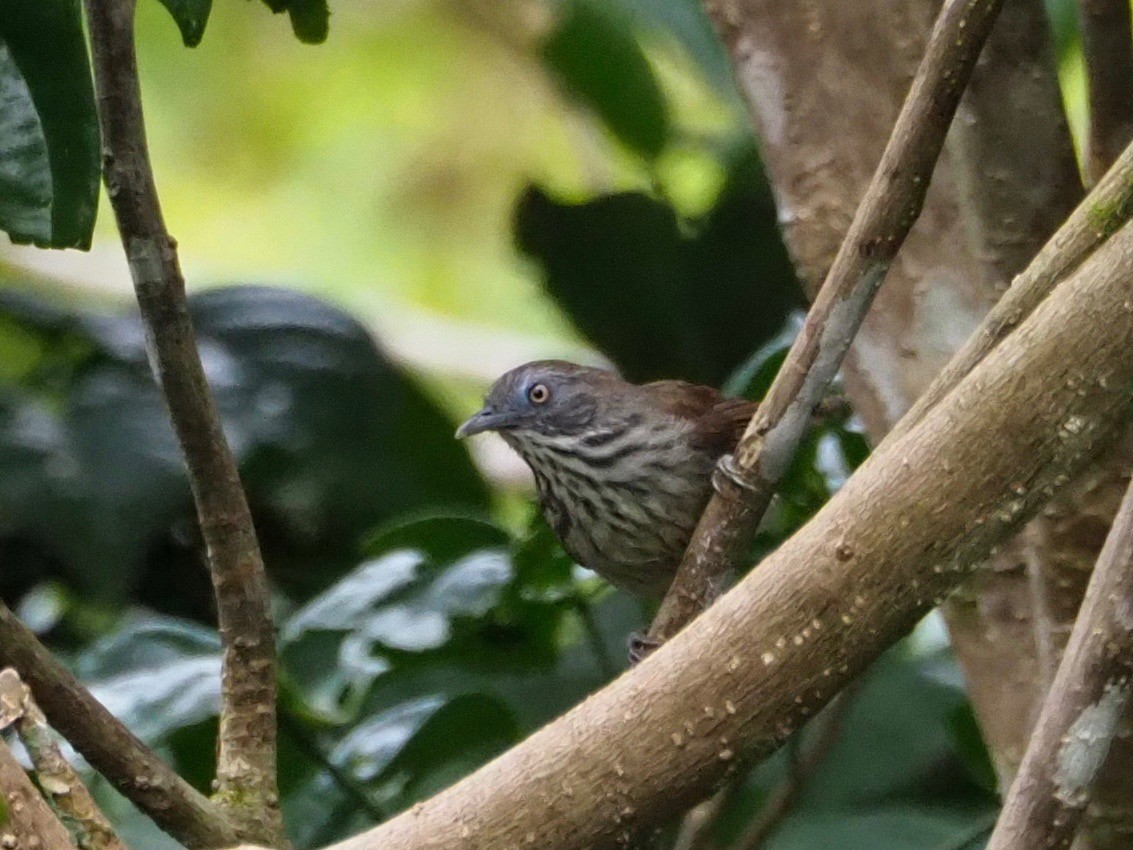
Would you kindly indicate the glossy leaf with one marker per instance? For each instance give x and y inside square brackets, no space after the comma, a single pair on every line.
[191,17]
[49,143]
[665,299]
[332,440]
[155,674]
[597,59]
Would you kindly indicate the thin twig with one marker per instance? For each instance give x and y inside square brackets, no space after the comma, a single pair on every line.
[696,828]
[246,752]
[60,783]
[890,207]
[1107,43]
[783,797]
[30,821]
[112,750]
[1104,210]
[1083,708]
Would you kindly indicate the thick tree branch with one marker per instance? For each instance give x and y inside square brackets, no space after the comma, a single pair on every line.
[1083,708]
[110,747]
[778,646]
[246,753]
[59,781]
[1107,42]
[891,205]
[30,822]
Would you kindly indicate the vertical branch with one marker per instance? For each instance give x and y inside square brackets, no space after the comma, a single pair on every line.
[30,822]
[1082,711]
[246,755]
[59,781]
[888,211]
[1107,41]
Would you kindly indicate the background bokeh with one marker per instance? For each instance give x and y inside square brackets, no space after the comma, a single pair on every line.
[372,229]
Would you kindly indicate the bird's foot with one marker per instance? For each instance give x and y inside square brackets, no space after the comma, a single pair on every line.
[640,647]
[728,470]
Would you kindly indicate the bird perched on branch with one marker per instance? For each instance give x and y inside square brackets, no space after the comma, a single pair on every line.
[623,470]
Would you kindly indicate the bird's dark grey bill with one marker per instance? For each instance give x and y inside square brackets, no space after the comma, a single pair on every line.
[486,420]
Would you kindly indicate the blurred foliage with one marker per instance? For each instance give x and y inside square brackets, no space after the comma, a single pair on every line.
[331,438]
[661,296]
[598,59]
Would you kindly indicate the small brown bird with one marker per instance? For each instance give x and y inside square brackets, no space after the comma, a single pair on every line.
[623,471]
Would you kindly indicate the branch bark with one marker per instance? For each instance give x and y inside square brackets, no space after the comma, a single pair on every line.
[112,750]
[1107,42]
[59,781]
[30,822]
[779,645]
[246,752]
[888,211]
[1083,708]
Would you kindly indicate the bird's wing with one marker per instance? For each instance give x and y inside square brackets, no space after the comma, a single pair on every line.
[721,420]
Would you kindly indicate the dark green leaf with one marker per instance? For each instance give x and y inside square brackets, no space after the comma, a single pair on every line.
[332,440]
[310,19]
[598,60]
[661,299]
[970,746]
[49,144]
[191,17]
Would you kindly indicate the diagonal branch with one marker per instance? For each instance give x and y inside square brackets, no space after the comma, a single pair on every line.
[112,750]
[777,647]
[1107,42]
[58,780]
[246,753]
[29,821]
[1082,711]
[890,207]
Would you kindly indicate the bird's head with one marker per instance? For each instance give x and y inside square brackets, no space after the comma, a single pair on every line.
[544,398]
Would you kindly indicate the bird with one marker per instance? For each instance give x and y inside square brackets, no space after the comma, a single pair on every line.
[623,471]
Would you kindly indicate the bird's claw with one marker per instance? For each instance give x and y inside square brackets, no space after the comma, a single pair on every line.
[640,647]
[726,467]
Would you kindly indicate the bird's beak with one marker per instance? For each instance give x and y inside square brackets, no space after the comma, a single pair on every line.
[486,420]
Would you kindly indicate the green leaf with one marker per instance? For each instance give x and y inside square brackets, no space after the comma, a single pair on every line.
[665,299]
[310,19]
[964,731]
[415,749]
[49,143]
[191,17]
[597,59]
[686,21]
[156,674]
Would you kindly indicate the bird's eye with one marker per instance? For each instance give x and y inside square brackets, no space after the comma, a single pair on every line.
[538,394]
